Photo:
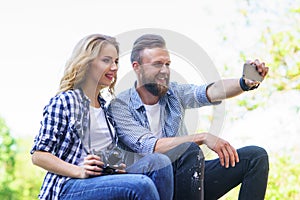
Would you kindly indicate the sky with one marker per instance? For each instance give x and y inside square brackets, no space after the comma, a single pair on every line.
[38,36]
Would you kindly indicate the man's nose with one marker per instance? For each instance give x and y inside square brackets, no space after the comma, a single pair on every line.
[164,68]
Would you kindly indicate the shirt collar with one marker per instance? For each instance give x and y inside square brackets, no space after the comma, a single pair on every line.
[84,98]
[135,98]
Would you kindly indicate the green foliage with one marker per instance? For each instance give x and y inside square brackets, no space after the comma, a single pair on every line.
[283,179]
[276,42]
[28,177]
[19,178]
[7,162]
[249,104]
[280,46]
[284,46]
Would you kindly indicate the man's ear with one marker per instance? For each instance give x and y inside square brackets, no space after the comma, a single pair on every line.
[136,66]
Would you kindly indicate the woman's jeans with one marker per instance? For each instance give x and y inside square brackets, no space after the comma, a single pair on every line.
[189,165]
[150,178]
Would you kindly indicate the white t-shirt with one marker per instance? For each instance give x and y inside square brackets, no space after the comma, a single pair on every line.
[153,115]
[99,132]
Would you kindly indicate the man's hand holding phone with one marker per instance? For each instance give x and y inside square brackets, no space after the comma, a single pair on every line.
[254,73]
[250,72]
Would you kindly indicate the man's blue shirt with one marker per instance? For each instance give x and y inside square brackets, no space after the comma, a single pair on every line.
[132,125]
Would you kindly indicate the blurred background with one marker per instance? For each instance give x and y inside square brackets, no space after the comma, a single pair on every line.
[38,36]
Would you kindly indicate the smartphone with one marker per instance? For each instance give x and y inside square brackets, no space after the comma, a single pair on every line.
[250,72]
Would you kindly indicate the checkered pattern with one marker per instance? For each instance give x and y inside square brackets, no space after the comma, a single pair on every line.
[65,120]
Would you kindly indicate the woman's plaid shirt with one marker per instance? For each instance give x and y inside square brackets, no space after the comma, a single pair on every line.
[64,122]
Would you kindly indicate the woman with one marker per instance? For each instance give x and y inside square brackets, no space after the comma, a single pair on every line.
[75,125]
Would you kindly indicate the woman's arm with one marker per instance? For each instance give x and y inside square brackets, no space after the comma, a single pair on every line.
[55,165]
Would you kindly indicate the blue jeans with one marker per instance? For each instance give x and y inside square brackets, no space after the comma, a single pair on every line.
[251,172]
[150,178]
[188,165]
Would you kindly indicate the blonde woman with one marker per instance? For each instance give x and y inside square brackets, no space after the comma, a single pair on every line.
[76,125]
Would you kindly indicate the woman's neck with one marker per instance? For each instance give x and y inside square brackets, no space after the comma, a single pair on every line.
[92,93]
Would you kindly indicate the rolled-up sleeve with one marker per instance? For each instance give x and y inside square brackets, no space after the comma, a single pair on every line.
[192,96]
[51,125]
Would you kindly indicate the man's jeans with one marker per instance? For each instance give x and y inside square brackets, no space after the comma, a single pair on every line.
[188,165]
[150,178]
[252,172]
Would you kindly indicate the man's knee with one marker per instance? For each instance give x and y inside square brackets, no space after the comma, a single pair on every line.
[194,149]
[160,159]
[188,151]
[262,155]
[255,154]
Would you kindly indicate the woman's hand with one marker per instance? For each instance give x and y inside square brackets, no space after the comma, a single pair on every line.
[92,166]
[120,169]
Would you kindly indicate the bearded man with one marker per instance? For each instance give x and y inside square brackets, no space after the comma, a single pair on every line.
[150,118]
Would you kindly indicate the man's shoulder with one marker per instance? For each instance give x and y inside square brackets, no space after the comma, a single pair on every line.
[124,94]
[174,87]
[122,98]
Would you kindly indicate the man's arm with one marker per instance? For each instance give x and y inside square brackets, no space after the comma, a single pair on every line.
[228,88]
[223,89]
[165,144]
[227,153]
[218,91]
[141,140]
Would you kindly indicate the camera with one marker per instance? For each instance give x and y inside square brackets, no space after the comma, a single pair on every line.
[112,158]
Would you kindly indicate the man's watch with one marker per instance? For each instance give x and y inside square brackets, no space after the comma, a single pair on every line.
[245,87]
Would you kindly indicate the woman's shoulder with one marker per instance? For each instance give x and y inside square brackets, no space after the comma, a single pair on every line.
[67,97]
[63,96]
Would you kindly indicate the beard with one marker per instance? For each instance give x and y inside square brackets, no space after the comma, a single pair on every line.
[156,89]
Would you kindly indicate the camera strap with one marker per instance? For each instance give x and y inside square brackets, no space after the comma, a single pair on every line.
[113,138]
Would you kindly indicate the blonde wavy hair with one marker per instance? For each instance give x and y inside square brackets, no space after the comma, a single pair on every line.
[85,51]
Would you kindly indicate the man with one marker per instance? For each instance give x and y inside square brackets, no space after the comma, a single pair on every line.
[149,118]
